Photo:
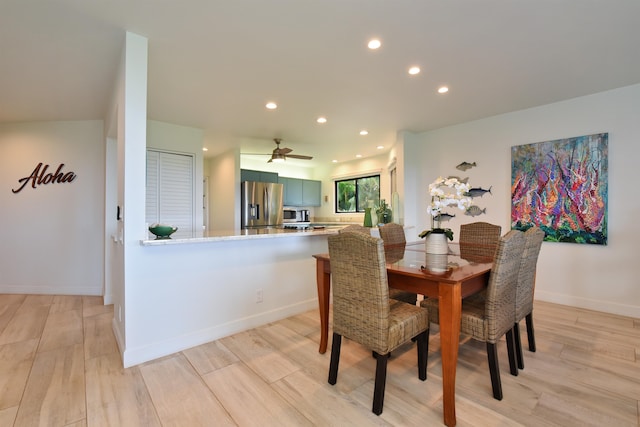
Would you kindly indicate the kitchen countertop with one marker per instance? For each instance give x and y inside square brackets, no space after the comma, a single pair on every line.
[245,234]
[326,228]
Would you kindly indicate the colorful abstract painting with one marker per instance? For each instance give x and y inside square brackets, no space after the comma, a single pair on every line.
[561,186]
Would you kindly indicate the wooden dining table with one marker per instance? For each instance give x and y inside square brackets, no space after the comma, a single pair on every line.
[449,278]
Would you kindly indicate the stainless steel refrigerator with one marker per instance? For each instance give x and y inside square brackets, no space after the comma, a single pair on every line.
[261,204]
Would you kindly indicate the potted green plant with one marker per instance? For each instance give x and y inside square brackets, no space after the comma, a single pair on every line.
[384,212]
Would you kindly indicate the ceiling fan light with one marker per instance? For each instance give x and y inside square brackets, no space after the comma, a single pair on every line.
[278,158]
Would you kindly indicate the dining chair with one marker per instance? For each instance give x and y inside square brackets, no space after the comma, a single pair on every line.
[363,312]
[392,235]
[478,241]
[524,291]
[486,318]
[355,228]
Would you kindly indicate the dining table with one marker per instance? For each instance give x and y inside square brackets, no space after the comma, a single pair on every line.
[447,277]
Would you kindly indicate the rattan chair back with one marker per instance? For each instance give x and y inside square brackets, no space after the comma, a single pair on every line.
[527,274]
[479,241]
[394,245]
[360,289]
[501,291]
[392,234]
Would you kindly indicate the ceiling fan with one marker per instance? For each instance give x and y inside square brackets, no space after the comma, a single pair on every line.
[281,154]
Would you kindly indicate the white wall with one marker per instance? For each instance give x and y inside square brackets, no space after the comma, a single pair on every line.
[224,191]
[129,118]
[599,277]
[52,237]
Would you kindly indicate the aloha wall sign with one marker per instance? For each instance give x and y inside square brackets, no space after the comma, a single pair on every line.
[40,176]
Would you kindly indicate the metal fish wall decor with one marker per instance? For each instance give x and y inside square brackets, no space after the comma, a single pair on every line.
[464,181]
[465,165]
[475,211]
[443,217]
[477,192]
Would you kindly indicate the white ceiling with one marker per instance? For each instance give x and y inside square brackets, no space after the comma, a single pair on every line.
[213,64]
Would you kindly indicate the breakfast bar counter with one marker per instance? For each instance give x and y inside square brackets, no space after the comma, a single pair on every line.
[244,234]
[197,289]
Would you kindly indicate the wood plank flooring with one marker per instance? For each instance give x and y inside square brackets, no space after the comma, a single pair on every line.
[59,366]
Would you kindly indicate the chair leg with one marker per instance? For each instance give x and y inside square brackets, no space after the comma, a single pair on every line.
[511,352]
[516,337]
[335,358]
[423,353]
[373,354]
[530,335]
[494,370]
[380,382]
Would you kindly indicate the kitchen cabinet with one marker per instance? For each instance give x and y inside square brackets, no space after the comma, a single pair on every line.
[258,176]
[311,193]
[301,192]
[292,191]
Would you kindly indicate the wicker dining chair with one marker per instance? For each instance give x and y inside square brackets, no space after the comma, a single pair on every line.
[478,241]
[355,228]
[486,318]
[363,312]
[392,233]
[394,240]
[524,292]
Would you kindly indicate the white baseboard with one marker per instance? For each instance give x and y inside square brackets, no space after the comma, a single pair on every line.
[118,336]
[590,304]
[135,356]
[51,290]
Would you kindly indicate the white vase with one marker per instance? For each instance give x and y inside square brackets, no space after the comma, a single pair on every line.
[436,243]
[436,263]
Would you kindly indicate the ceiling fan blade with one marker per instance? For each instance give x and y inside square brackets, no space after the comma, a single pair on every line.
[298,156]
[285,150]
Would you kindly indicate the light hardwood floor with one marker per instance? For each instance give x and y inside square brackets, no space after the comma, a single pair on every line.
[59,366]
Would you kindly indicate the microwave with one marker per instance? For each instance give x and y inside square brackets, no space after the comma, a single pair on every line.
[292,215]
[289,215]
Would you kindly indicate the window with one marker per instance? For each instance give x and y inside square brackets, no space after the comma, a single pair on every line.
[353,195]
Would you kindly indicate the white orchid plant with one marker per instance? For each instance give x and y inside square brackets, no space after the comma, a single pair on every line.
[446,192]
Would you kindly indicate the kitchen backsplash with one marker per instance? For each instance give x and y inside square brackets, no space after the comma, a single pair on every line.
[339,218]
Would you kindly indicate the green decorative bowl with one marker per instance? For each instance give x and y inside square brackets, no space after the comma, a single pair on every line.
[162,231]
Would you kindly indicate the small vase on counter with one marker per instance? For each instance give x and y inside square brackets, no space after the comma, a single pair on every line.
[384,213]
[368,221]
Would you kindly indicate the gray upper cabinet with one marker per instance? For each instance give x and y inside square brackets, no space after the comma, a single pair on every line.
[292,191]
[258,176]
[301,192]
[311,193]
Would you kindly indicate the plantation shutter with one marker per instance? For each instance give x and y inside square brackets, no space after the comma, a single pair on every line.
[170,190]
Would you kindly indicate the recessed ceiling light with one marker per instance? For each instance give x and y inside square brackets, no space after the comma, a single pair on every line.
[443,89]
[205,149]
[380,147]
[334,161]
[374,44]
[358,155]
[322,120]
[271,105]
[414,70]
[364,132]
